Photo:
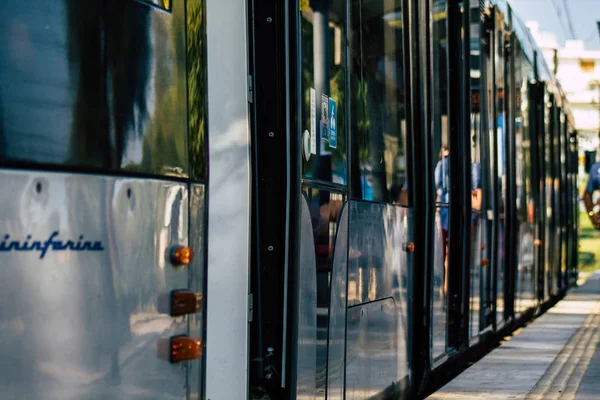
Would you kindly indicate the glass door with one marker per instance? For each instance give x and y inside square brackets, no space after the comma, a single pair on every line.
[487,305]
[500,165]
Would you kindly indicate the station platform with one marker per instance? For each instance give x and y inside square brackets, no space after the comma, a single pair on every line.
[554,357]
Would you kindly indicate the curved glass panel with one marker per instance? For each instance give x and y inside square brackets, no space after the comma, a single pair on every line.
[324,210]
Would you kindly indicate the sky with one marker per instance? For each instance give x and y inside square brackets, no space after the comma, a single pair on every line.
[551,16]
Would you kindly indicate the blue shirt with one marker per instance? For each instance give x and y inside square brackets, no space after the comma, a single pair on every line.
[475,176]
[475,184]
[442,181]
[593,183]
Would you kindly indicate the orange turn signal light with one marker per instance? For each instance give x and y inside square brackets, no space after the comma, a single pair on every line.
[179,348]
[484,263]
[537,242]
[184,302]
[408,247]
[182,255]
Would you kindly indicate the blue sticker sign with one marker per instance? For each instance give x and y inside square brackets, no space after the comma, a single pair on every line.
[332,123]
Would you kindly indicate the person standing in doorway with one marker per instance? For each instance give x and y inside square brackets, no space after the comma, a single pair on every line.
[442,188]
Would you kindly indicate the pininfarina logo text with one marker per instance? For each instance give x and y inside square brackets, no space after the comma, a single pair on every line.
[52,243]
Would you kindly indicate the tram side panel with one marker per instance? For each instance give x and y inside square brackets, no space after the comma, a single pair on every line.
[86,283]
[87,268]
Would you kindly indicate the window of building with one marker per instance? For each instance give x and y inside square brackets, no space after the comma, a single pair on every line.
[587,66]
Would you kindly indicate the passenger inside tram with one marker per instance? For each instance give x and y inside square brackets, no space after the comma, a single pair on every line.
[442,189]
[593,185]
[399,195]
[476,195]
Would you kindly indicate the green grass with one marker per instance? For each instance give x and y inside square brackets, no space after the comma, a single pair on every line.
[589,246]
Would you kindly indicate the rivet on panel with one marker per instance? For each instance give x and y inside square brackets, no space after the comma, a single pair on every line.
[271,134]
[269,19]
[270,248]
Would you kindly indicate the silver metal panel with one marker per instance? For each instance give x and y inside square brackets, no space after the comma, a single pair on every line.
[337,313]
[438,301]
[476,276]
[306,350]
[98,84]
[197,239]
[378,267]
[525,290]
[85,323]
[486,303]
[372,348]
[228,201]
[500,268]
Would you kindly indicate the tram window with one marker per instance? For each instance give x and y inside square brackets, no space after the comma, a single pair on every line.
[323,90]
[378,103]
[476,82]
[525,204]
[197,88]
[164,4]
[476,193]
[440,139]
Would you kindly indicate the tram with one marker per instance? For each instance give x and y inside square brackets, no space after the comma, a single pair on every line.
[257,199]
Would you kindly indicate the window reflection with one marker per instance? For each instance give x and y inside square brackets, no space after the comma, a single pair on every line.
[323,90]
[378,103]
[166,4]
[325,208]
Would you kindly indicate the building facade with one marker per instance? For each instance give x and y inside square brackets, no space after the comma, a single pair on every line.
[578,70]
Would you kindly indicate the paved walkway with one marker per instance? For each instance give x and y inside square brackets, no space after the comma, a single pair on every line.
[554,357]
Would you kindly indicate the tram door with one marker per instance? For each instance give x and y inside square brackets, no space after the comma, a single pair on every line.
[537,100]
[354,202]
[478,217]
[526,273]
[440,165]
[486,141]
[500,170]
[548,192]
